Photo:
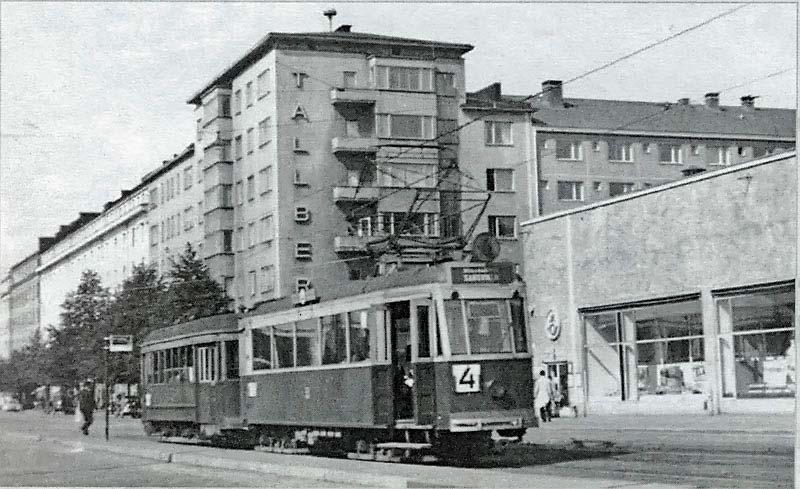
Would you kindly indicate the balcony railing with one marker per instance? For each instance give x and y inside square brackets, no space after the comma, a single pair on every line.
[352,96]
[354,145]
[349,194]
[350,244]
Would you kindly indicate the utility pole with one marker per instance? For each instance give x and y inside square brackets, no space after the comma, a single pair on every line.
[105,382]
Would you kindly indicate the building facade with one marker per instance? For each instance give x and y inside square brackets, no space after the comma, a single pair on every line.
[23,302]
[679,298]
[109,243]
[5,315]
[316,144]
[574,151]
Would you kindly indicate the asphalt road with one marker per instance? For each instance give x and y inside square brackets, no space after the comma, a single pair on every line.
[584,452]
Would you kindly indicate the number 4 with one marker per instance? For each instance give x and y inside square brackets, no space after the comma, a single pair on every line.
[467,378]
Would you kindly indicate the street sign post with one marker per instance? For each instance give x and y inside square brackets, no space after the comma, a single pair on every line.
[116,344]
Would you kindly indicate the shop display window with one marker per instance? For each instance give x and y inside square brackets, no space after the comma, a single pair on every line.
[760,327]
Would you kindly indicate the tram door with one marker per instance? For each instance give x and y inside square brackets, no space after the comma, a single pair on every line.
[422,324]
[403,377]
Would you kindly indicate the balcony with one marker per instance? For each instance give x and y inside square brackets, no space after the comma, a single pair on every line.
[349,194]
[351,244]
[357,96]
[341,145]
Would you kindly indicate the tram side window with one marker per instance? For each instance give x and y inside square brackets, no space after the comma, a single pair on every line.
[518,325]
[307,343]
[333,339]
[455,322]
[359,336]
[284,345]
[207,363]
[489,329]
[232,359]
[262,349]
[423,332]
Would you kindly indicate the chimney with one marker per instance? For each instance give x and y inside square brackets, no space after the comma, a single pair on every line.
[749,102]
[683,101]
[492,92]
[712,100]
[551,94]
[344,28]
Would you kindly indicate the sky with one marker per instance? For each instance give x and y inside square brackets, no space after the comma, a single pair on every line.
[93,95]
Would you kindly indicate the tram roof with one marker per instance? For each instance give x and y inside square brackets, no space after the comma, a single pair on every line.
[402,278]
[221,323]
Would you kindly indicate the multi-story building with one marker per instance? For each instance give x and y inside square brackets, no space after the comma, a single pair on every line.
[23,301]
[314,144]
[548,153]
[5,327]
[110,243]
[175,211]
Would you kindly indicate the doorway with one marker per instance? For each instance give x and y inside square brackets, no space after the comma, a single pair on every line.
[400,325]
[559,371]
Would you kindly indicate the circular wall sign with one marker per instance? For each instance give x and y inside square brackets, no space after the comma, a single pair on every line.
[552,326]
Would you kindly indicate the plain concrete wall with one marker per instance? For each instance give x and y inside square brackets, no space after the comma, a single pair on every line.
[730,228]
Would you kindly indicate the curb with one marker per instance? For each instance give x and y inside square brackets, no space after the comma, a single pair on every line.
[690,430]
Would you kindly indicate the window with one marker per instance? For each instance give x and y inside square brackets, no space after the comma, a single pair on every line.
[237,148]
[668,153]
[250,140]
[307,343]
[718,155]
[283,335]
[227,201]
[500,180]
[267,279]
[404,126]
[207,363]
[265,232]
[503,226]
[359,335]
[239,193]
[570,191]
[301,283]
[334,347]
[154,235]
[251,187]
[153,198]
[240,238]
[301,214]
[618,188]
[265,176]
[620,152]
[408,224]
[263,83]
[489,327]
[187,178]
[248,91]
[569,150]
[252,282]
[237,102]
[261,349]
[263,135]
[227,241]
[349,79]
[302,251]
[404,78]
[232,359]
[497,133]
[251,234]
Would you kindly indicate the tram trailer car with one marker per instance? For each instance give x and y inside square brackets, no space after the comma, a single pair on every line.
[429,359]
[190,378]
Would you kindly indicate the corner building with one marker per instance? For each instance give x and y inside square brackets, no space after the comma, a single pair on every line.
[309,142]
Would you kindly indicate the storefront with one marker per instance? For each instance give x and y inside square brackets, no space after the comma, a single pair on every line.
[679,299]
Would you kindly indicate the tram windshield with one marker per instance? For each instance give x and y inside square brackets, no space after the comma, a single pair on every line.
[486,326]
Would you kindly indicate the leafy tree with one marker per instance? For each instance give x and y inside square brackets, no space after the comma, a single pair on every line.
[76,347]
[138,308]
[24,370]
[192,292]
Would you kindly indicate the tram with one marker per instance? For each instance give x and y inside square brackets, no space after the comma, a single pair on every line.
[421,362]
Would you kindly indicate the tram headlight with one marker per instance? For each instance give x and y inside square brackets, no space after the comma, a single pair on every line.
[498,391]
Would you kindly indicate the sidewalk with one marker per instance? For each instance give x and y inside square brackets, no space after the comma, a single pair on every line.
[723,423]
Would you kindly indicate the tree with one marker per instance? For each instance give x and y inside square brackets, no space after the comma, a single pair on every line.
[76,347]
[138,308]
[192,292]
[24,371]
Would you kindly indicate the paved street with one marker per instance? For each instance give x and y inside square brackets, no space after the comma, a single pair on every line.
[733,451]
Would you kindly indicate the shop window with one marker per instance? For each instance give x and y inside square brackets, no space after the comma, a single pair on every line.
[604,361]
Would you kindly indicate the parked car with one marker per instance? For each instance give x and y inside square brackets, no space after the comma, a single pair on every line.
[8,403]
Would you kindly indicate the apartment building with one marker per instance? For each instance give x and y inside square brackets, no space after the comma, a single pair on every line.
[175,208]
[110,243]
[5,327]
[544,154]
[315,144]
[23,301]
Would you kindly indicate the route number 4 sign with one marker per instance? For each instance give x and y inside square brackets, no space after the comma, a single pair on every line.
[467,378]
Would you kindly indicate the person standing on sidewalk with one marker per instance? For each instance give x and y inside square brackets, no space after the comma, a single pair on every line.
[541,396]
[87,406]
[555,396]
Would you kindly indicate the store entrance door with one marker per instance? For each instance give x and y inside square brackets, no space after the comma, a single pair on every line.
[559,371]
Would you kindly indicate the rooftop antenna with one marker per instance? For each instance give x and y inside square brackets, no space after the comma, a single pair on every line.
[330,14]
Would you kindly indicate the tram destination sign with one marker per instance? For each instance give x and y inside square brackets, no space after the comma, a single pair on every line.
[485,273]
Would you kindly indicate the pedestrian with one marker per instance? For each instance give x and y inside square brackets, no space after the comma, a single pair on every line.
[541,396]
[87,406]
[555,396]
